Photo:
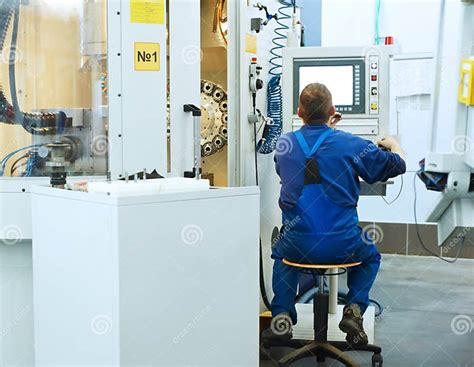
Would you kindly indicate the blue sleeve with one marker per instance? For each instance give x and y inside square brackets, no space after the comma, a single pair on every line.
[373,164]
[277,165]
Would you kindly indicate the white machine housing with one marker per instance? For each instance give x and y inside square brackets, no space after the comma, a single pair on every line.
[453,210]
[368,114]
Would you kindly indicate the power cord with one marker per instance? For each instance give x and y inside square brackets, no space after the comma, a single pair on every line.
[396,197]
[461,246]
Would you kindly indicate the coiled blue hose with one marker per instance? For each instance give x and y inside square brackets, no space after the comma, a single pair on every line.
[279,41]
[273,131]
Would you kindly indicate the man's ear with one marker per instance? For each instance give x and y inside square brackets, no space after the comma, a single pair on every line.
[332,110]
[299,112]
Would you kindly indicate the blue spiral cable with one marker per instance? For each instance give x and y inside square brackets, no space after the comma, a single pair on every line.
[279,41]
[273,131]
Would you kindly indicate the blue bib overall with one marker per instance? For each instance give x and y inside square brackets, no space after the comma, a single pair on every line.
[318,230]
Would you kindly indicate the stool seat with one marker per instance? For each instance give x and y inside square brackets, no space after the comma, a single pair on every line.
[320,266]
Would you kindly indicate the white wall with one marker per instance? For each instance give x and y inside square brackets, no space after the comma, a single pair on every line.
[414,26]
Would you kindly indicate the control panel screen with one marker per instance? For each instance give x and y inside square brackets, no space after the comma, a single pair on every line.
[338,79]
[345,79]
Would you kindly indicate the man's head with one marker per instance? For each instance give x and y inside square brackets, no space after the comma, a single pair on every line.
[315,106]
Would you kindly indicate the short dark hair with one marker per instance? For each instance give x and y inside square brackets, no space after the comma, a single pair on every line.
[315,103]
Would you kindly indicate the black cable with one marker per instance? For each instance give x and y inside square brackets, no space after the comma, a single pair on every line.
[12,54]
[451,261]
[256,154]
[263,290]
[398,195]
[254,108]
[13,167]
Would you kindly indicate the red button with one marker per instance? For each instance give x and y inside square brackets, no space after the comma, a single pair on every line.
[374,78]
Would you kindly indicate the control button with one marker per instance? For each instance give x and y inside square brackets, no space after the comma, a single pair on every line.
[373,78]
[374,106]
[373,65]
[374,91]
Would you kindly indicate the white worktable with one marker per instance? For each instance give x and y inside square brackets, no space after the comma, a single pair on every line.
[160,280]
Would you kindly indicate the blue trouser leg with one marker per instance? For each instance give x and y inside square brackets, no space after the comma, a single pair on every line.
[285,284]
[361,278]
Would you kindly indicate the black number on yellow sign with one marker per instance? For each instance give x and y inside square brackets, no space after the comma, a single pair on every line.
[147,56]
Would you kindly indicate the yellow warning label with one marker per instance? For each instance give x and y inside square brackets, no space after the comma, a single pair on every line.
[147,11]
[147,56]
[251,43]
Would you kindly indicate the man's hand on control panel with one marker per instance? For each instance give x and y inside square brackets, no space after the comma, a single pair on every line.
[334,119]
[389,143]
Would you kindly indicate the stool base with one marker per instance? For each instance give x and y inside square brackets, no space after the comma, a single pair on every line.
[331,349]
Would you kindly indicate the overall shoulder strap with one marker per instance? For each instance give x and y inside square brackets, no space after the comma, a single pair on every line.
[320,140]
[304,145]
[312,174]
[302,142]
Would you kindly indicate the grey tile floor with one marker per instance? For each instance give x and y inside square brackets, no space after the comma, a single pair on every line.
[428,319]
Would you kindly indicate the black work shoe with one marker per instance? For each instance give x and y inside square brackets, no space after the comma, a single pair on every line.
[281,328]
[352,323]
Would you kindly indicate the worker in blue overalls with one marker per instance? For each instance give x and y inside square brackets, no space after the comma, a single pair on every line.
[319,168]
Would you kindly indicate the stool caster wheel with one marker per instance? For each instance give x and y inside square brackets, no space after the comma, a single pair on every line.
[377,360]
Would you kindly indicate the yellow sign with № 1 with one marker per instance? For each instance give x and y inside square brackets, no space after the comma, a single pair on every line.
[147,11]
[466,85]
[147,56]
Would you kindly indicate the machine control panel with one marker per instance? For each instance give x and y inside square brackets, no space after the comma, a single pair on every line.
[357,77]
[374,84]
